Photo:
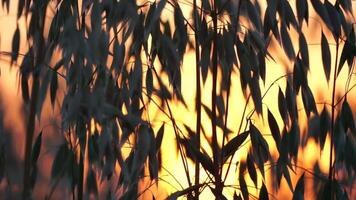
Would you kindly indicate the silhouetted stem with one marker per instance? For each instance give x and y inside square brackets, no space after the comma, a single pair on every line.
[216,150]
[332,123]
[198,97]
[29,137]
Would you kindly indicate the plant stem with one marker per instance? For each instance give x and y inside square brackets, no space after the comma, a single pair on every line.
[81,177]
[29,137]
[198,97]
[80,189]
[332,122]
[216,150]
[228,95]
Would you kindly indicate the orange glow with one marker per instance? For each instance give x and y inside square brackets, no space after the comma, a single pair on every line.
[173,177]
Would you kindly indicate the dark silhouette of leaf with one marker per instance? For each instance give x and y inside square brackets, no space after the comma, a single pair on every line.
[258,40]
[183,192]
[219,120]
[260,148]
[270,22]
[298,76]
[263,193]
[291,102]
[150,14]
[302,11]
[203,158]
[237,197]
[287,14]
[43,91]
[142,148]
[202,31]
[36,149]
[274,128]
[159,137]
[324,126]
[155,17]
[149,82]
[350,152]
[308,100]
[326,57]
[348,51]
[286,175]
[298,193]
[152,156]
[262,66]
[15,45]
[92,186]
[335,19]
[24,89]
[233,145]
[251,169]
[60,162]
[181,31]
[33,176]
[294,139]
[205,59]
[347,117]
[322,12]
[303,48]
[20,7]
[220,104]
[346,5]
[206,5]
[344,24]
[228,54]
[287,43]
[26,66]
[254,15]
[256,94]
[282,106]
[243,185]
[53,87]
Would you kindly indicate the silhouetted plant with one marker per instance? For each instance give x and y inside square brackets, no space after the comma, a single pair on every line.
[106,53]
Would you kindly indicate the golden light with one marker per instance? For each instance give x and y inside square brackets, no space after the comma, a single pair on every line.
[172,176]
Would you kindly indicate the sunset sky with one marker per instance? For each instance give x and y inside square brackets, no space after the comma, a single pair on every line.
[11,104]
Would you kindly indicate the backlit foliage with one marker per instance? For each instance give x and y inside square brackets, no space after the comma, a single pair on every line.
[115,59]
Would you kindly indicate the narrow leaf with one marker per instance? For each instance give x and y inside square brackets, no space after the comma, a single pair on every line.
[263,192]
[149,82]
[53,87]
[233,145]
[251,169]
[302,10]
[36,149]
[347,116]
[303,48]
[282,106]
[334,18]
[15,45]
[299,189]
[322,12]
[287,43]
[159,137]
[274,128]
[326,56]
[324,126]
[243,185]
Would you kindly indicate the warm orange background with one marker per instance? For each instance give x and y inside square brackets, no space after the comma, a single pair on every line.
[14,112]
